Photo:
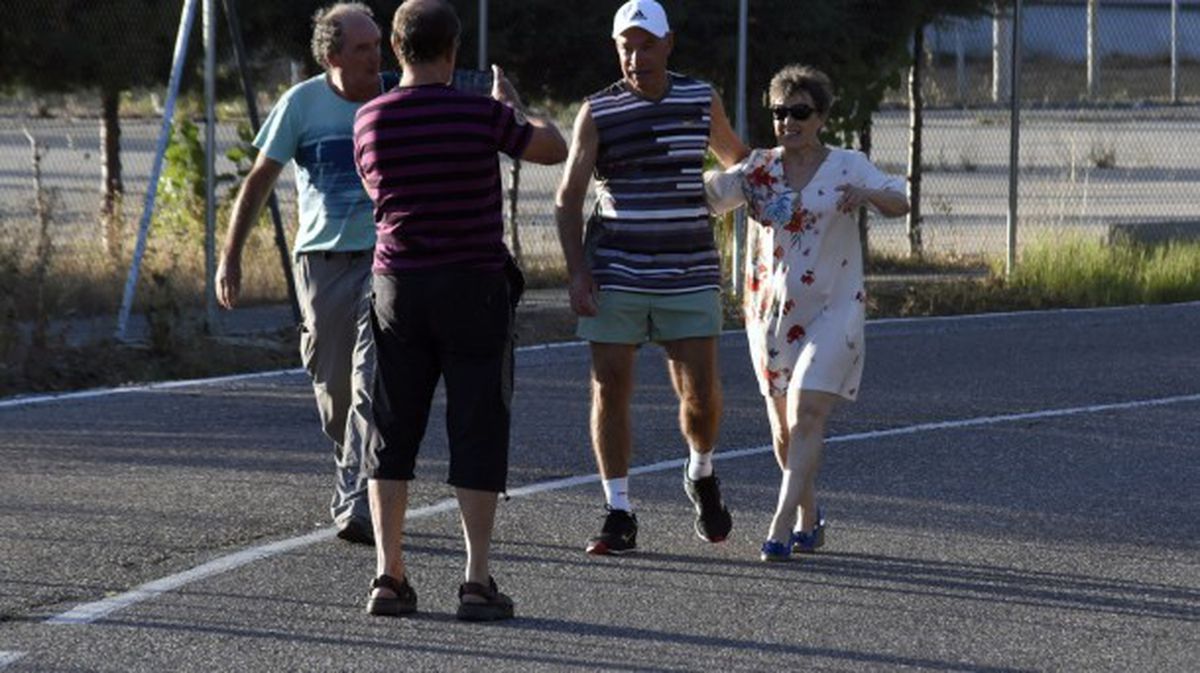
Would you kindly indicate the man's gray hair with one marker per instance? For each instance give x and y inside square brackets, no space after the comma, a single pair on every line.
[327,29]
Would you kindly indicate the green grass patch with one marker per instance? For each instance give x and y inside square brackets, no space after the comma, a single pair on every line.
[1062,272]
[1089,272]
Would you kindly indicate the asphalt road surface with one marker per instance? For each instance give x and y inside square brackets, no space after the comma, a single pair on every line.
[1011,492]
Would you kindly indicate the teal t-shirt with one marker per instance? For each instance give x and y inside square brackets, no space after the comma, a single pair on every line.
[314,126]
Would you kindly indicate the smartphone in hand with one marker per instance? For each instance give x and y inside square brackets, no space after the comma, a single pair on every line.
[473,81]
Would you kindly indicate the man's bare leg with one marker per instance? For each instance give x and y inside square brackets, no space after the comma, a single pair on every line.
[389,506]
[612,439]
[693,366]
[477,510]
[612,389]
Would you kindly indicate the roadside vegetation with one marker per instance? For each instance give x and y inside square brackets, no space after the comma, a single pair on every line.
[1067,272]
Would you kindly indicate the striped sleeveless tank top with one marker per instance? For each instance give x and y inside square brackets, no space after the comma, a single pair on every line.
[651,230]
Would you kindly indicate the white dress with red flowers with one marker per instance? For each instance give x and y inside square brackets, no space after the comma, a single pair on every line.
[804,300]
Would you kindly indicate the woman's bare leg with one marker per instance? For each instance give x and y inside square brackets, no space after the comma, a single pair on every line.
[807,414]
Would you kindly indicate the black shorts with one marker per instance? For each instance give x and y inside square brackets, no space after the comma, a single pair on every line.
[451,323]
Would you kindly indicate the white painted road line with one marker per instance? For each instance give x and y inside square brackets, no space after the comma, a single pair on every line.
[31,400]
[163,385]
[90,612]
[9,658]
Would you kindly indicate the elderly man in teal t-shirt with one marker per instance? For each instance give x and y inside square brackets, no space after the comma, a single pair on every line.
[313,126]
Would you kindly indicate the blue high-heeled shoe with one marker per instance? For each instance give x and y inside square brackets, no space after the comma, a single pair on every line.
[807,543]
[773,551]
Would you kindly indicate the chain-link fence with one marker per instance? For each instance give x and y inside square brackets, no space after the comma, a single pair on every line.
[1123,149]
[73,182]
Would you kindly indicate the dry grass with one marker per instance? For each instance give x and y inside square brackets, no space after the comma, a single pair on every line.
[84,279]
[1053,272]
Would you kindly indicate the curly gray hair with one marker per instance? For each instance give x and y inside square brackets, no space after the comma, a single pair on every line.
[327,29]
[794,78]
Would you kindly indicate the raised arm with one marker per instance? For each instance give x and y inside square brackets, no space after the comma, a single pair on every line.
[246,208]
[724,143]
[889,202]
[872,187]
[546,145]
[568,210]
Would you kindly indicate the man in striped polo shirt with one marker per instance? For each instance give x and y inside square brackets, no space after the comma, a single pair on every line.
[648,270]
[444,299]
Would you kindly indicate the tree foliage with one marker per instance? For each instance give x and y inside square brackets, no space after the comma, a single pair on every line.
[563,51]
[58,45]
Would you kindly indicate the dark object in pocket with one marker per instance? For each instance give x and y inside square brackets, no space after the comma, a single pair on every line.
[593,235]
[516,279]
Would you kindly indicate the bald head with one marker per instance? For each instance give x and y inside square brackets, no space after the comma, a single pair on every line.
[331,24]
[424,31]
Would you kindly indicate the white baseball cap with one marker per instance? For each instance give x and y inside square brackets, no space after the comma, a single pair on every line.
[645,14]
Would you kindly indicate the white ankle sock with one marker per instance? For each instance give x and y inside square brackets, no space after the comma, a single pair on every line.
[699,464]
[616,493]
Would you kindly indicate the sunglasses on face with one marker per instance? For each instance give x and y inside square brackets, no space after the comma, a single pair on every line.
[799,112]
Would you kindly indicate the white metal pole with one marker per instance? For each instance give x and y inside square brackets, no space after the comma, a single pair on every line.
[1174,52]
[1093,49]
[210,158]
[1014,147]
[739,219]
[186,20]
[483,34]
[1001,49]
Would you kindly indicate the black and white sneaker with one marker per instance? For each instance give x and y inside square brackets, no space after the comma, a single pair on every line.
[618,536]
[713,521]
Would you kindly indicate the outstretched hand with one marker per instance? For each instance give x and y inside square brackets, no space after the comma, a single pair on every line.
[503,90]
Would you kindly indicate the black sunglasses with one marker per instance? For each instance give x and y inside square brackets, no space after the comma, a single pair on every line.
[799,112]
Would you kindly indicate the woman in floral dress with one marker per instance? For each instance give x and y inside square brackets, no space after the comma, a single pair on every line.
[804,297]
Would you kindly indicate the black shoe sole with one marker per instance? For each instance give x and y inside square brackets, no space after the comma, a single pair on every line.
[483,612]
[390,607]
[602,549]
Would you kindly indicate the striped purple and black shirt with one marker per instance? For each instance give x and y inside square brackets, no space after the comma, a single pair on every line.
[427,155]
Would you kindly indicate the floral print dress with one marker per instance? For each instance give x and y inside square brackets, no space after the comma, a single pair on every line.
[805,304]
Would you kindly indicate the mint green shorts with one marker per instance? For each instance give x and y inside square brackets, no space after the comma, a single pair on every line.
[637,317]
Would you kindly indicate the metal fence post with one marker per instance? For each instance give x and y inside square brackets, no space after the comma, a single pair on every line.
[1174,52]
[186,19]
[960,65]
[1001,50]
[483,34]
[210,174]
[239,53]
[739,218]
[1093,49]
[1014,147]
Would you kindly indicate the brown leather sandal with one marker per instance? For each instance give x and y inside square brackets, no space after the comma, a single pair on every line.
[494,606]
[403,603]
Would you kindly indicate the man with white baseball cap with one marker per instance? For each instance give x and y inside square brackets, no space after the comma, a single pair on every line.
[650,271]
[645,14]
